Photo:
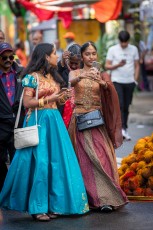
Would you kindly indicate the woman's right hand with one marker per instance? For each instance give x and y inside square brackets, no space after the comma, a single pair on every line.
[121,63]
[65,56]
[56,96]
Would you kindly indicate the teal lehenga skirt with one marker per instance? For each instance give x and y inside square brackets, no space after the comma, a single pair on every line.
[46,178]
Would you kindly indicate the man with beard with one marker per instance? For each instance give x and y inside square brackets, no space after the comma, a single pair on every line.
[10,92]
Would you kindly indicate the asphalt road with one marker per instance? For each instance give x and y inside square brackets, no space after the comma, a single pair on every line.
[134,216]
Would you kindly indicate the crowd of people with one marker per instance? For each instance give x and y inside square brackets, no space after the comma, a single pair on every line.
[71,170]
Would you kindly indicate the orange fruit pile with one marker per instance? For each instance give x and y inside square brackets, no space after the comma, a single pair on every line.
[136,171]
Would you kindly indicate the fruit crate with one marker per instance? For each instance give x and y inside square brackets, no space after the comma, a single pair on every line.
[140,198]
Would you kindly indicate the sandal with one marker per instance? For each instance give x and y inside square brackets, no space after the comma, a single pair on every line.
[52,215]
[41,217]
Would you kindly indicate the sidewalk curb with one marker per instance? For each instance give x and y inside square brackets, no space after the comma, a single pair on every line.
[140,119]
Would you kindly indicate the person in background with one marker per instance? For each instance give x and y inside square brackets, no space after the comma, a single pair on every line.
[37,38]
[2,39]
[143,51]
[94,147]
[70,39]
[10,92]
[71,60]
[123,62]
[41,179]
[59,51]
[2,36]
[19,51]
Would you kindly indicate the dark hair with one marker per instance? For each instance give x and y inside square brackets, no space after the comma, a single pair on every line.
[75,49]
[123,36]
[38,62]
[86,45]
[19,45]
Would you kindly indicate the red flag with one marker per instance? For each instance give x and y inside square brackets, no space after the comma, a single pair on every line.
[42,14]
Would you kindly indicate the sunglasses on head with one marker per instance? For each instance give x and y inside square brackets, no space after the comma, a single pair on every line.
[4,58]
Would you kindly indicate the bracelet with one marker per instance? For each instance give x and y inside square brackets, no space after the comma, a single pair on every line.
[41,102]
[61,101]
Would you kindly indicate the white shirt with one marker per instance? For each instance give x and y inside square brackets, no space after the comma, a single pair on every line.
[146,11]
[116,54]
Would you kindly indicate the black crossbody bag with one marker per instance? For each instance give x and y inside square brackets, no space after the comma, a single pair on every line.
[89,120]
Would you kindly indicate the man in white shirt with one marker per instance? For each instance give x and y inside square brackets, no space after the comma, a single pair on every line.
[123,61]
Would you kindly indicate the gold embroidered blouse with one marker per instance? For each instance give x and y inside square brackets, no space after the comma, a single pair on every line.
[87,95]
[47,86]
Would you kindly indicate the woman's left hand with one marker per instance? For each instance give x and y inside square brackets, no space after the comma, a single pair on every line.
[94,75]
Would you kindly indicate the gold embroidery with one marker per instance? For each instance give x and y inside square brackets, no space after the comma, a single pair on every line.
[87,97]
[28,115]
[86,207]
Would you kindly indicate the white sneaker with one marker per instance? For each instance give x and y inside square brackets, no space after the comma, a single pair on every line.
[128,138]
[125,135]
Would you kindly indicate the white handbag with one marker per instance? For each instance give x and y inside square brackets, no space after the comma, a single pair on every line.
[27,136]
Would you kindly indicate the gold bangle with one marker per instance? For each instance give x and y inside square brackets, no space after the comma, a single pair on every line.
[61,101]
[41,102]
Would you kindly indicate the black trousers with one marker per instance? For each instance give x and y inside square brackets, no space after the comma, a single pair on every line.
[6,146]
[144,76]
[125,94]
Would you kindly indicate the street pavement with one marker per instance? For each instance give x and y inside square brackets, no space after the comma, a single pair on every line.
[140,122]
[134,216]
[137,215]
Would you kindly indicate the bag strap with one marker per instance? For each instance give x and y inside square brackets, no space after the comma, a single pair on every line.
[20,104]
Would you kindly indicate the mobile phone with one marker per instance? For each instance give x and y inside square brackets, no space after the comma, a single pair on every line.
[96,65]
[124,60]
[69,85]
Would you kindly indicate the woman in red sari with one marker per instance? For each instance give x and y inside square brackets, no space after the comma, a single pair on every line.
[95,146]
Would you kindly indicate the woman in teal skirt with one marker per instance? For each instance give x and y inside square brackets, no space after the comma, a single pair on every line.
[45,180]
